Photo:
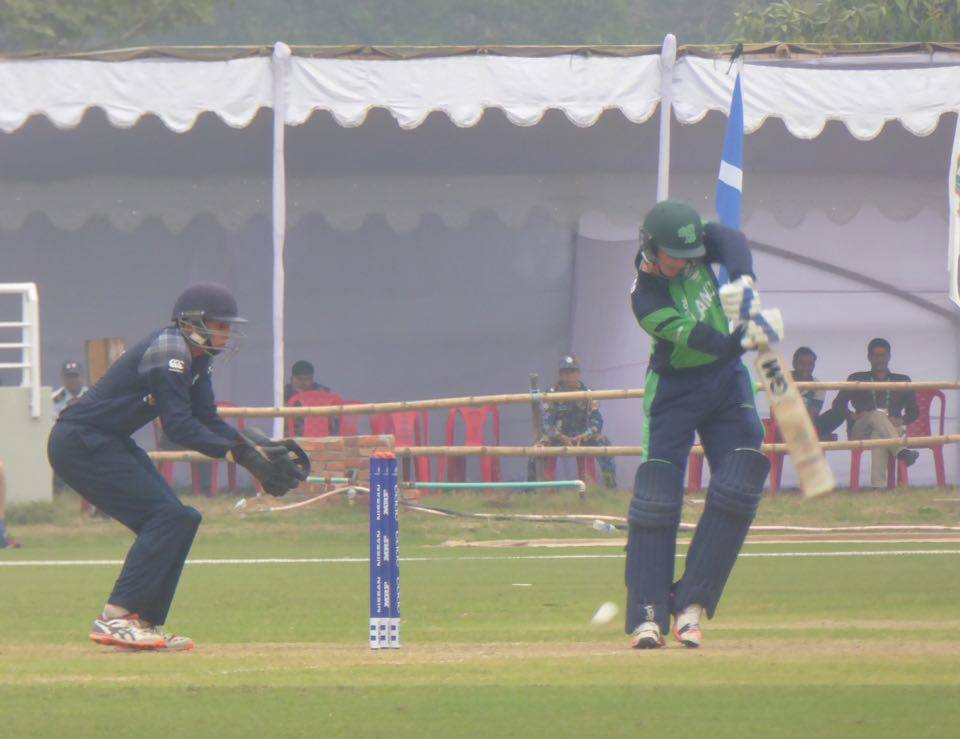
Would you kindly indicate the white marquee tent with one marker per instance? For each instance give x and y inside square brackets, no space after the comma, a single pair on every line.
[445,224]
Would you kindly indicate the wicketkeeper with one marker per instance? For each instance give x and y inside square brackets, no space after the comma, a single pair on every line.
[696,382]
[166,375]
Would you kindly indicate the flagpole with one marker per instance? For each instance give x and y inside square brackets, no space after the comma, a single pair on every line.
[730,177]
[668,58]
[953,215]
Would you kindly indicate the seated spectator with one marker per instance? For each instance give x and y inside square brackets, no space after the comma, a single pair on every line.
[301,380]
[576,422]
[6,541]
[878,414]
[804,363]
[72,389]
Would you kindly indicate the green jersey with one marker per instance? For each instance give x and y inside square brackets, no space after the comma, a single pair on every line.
[683,314]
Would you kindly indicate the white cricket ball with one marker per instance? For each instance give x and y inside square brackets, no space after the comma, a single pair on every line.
[605,613]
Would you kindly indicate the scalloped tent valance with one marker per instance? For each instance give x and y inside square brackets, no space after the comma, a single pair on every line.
[863,91]
[346,203]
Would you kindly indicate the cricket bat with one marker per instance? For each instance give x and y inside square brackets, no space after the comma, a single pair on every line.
[796,428]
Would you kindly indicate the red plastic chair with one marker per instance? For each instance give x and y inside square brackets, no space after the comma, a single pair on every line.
[241,425]
[350,423]
[166,468]
[409,428]
[921,427]
[897,469]
[313,426]
[586,469]
[694,473]
[454,469]
[771,435]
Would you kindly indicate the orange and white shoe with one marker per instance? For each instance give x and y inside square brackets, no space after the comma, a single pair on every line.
[647,636]
[686,626]
[173,642]
[126,631]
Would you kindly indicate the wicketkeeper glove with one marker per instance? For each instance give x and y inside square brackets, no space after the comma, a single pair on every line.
[272,464]
[764,328]
[740,299]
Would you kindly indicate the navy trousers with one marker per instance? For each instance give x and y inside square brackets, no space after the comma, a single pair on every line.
[716,401]
[117,476]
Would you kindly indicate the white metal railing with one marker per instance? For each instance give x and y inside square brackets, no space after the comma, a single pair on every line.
[29,344]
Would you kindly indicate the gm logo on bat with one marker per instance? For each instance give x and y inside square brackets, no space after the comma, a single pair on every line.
[774,373]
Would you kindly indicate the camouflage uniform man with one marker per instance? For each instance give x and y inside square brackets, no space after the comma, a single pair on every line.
[576,422]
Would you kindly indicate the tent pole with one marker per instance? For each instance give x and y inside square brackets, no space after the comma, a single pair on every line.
[953,215]
[668,57]
[280,65]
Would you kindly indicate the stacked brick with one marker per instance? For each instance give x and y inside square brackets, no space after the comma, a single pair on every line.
[343,456]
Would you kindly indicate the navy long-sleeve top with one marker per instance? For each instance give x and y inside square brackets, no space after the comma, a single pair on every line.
[158,377]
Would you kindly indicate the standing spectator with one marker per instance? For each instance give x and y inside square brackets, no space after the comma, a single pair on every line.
[879,414]
[302,380]
[6,541]
[72,389]
[576,422]
[69,393]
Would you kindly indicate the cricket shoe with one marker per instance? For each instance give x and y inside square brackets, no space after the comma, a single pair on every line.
[686,626]
[173,642]
[126,631]
[647,636]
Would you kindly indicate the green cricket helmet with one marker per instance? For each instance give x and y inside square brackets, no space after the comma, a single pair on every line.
[674,228]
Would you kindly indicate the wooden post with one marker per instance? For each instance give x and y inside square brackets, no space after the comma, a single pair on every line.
[101,353]
[535,464]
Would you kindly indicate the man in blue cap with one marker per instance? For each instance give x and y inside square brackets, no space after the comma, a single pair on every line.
[576,422]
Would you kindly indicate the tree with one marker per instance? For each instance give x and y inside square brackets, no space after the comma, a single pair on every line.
[88,24]
[84,24]
[849,21]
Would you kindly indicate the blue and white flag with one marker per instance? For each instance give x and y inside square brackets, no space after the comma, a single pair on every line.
[730,180]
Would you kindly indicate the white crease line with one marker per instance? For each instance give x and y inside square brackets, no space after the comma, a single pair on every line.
[364,560]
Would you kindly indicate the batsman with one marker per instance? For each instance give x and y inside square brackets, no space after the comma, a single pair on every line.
[696,383]
[167,374]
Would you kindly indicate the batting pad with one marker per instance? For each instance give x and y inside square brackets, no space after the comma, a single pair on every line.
[732,501]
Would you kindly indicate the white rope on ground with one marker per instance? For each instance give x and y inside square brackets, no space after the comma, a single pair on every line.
[264,503]
[756,528]
[365,560]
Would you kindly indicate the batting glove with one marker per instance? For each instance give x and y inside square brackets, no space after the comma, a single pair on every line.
[740,299]
[764,328]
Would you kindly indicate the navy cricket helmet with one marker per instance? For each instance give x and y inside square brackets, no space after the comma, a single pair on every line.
[207,301]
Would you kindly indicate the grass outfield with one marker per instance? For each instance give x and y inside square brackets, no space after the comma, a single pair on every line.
[497,641]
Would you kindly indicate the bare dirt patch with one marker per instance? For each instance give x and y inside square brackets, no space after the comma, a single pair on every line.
[238,658]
